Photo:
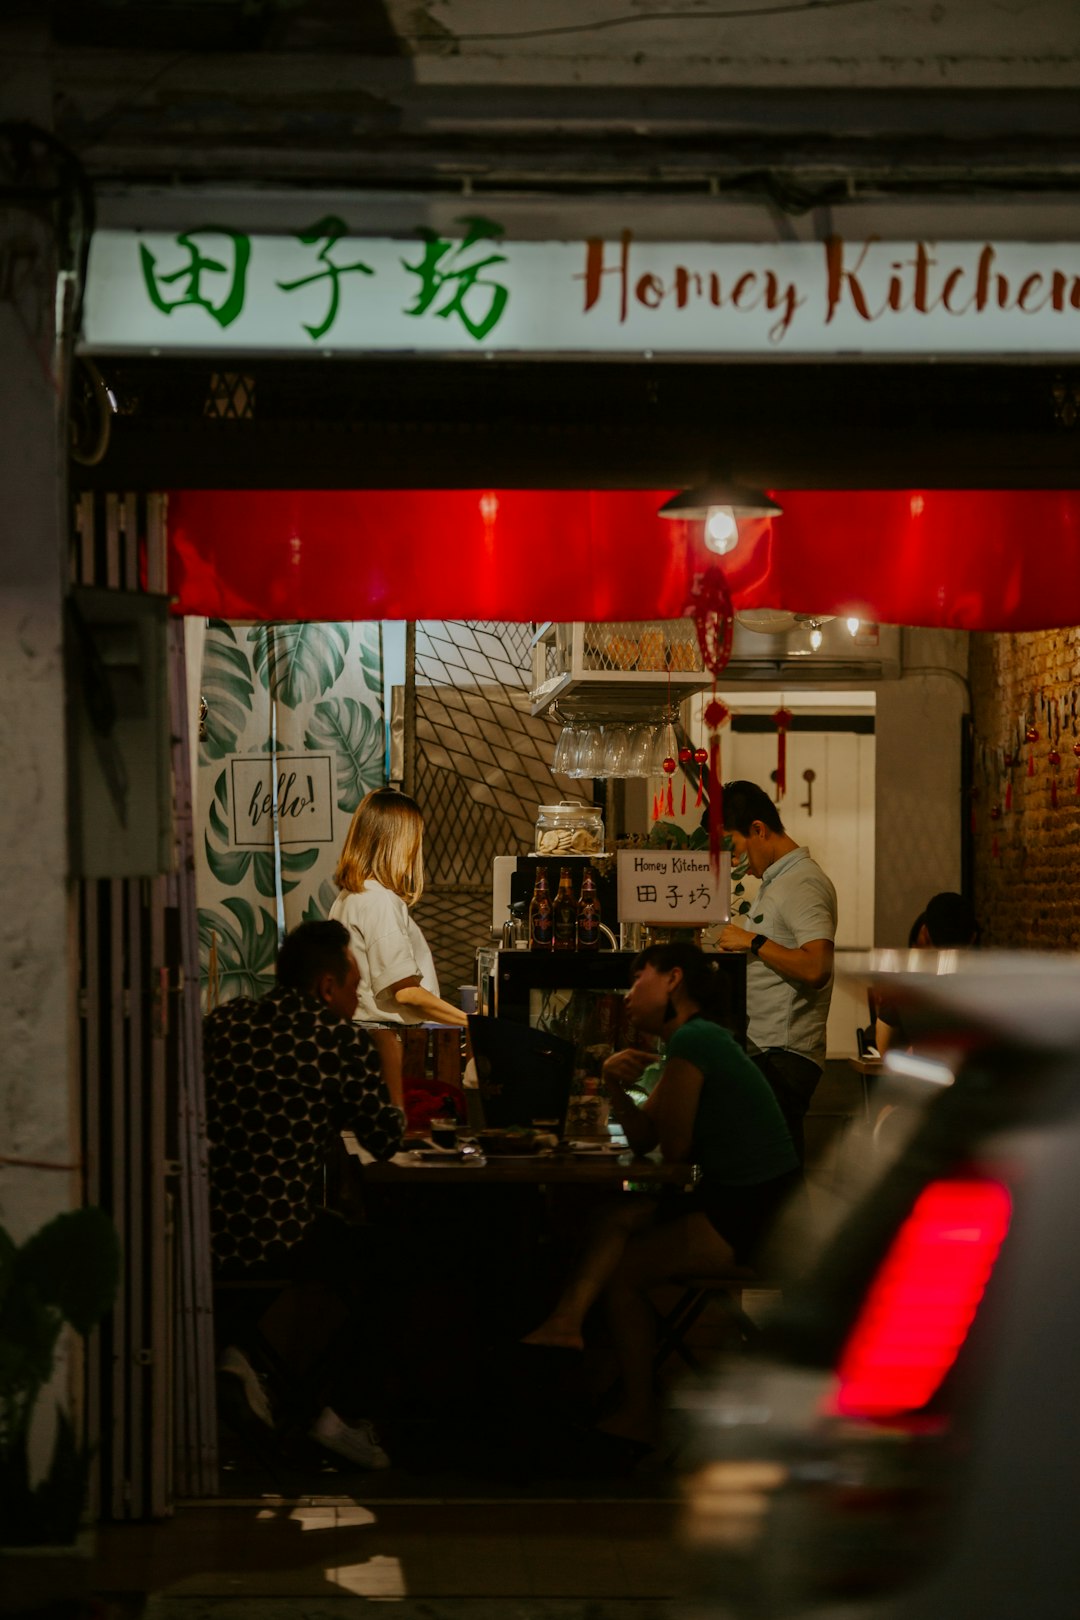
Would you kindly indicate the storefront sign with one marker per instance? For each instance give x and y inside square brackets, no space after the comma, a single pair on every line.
[675,888]
[327,292]
[296,789]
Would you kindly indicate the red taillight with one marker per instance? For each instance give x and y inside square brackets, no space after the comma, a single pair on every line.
[923,1300]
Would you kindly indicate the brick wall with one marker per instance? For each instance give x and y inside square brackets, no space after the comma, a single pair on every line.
[1027,854]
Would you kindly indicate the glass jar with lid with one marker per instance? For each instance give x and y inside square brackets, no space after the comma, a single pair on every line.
[570,827]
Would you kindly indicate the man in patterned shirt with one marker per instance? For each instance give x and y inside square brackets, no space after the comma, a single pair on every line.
[284,1075]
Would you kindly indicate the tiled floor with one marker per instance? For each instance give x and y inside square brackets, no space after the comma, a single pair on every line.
[472,1561]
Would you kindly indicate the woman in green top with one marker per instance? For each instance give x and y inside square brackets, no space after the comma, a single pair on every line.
[712,1107]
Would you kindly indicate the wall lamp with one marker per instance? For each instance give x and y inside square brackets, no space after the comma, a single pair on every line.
[719,503]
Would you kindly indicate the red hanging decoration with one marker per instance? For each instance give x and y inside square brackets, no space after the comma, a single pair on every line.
[657,806]
[700,757]
[714,620]
[670,767]
[715,715]
[1008,794]
[685,756]
[782,720]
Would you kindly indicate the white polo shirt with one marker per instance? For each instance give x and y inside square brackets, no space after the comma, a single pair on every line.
[795,903]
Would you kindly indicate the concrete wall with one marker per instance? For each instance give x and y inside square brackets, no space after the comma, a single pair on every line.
[1027,889]
[918,801]
[37,1111]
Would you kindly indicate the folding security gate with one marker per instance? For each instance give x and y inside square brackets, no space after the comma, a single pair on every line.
[149,1376]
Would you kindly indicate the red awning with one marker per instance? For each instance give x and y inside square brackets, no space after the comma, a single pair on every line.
[959,559]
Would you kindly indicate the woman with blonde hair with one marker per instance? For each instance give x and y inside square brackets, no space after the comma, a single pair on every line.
[381,876]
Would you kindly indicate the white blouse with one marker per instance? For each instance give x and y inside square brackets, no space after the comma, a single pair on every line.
[388,947]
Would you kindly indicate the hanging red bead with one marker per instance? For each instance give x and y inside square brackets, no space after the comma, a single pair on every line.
[782,720]
[685,755]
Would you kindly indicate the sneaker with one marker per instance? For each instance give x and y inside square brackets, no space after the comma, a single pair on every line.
[357,1443]
[234,1362]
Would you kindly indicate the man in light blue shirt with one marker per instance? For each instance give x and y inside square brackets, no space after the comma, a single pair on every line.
[788,936]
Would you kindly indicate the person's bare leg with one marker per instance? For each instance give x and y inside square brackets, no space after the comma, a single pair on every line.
[563,1327]
[689,1246]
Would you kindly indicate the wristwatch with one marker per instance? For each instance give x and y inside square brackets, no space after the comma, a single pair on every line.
[757,942]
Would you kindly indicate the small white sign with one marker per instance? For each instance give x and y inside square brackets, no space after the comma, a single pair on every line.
[675,888]
[297,788]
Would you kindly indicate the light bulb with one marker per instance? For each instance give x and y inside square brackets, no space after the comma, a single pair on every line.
[721,530]
[853,627]
[815,638]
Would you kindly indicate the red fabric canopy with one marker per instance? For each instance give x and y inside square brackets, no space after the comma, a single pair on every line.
[960,559]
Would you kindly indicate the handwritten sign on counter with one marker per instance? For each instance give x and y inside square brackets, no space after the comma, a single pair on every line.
[673,888]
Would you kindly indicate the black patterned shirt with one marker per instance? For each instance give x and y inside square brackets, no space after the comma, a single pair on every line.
[283,1076]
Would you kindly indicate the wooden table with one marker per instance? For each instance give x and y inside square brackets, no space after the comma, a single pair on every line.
[527,1170]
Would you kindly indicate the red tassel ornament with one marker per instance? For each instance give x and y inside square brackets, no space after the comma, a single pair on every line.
[701,755]
[715,715]
[714,620]
[670,767]
[782,720]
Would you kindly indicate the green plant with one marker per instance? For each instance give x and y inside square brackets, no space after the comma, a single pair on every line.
[65,1272]
[669,835]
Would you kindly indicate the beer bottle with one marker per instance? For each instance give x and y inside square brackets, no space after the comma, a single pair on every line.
[564,914]
[588,914]
[540,922]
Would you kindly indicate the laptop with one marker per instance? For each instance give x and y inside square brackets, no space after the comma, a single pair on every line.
[524,1074]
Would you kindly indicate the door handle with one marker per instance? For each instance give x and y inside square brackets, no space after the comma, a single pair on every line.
[808,777]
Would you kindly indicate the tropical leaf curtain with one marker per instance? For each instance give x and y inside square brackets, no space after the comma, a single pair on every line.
[294,731]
